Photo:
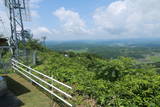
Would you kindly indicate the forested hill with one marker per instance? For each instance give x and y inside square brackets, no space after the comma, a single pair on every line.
[97,81]
[136,48]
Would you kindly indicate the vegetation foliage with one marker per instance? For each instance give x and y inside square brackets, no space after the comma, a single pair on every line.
[110,49]
[111,82]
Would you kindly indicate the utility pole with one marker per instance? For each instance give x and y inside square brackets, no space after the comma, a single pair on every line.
[44,40]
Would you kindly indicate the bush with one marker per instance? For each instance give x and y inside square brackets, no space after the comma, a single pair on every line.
[114,82]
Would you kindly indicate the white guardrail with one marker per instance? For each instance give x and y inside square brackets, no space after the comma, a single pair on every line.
[28,73]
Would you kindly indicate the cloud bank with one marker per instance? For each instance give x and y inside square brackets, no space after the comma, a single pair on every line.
[129,18]
[120,19]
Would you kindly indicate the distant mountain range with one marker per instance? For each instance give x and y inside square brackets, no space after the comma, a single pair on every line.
[122,42]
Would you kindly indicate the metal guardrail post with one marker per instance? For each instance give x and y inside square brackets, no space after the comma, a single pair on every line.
[27,72]
[30,72]
[34,58]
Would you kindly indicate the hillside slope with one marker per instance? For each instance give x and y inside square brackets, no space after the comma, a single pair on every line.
[117,82]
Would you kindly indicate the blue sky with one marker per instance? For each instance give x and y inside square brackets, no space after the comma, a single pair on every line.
[92,19]
[84,7]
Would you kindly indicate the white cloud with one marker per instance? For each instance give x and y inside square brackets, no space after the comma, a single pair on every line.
[4,23]
[42,31]
[120,19]
[35,3]
[1,2]
[35,14]
[70,20]
[5,16]
[129,18]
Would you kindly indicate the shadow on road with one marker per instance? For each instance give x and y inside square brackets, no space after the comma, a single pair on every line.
[14,89]
[10,100]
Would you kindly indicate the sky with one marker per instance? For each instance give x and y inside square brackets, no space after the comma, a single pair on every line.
[91,19]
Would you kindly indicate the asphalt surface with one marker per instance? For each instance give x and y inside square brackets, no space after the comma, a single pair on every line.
[10,100]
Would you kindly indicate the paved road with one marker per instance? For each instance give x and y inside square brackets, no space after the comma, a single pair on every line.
[23,94]
[10,100]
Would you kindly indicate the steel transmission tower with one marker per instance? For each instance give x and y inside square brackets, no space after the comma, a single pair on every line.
[18,12]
